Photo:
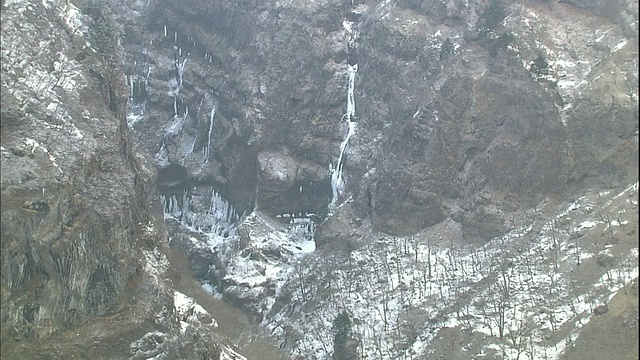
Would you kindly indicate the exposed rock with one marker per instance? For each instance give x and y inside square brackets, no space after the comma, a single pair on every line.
[282,175]
[82,275]
[600,310]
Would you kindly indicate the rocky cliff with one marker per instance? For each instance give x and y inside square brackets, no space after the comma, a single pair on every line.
[451,105]
[287,141]
[83,265]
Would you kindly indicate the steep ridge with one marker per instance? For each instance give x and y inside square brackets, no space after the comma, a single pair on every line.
[83,269]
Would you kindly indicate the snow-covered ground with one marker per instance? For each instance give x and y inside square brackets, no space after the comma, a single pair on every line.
[190,312]
[402,291]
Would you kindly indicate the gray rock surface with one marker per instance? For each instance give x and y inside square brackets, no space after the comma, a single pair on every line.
[231,118]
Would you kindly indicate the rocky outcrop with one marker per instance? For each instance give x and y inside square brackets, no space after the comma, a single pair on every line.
[448,111]
[262,103]
[82,273]
[290,185]
[73,195]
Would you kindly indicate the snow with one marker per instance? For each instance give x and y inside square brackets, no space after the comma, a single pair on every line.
[34,145]
[376,282]
[379,282]
[229,354]
[211,290]
[620,45]
[218,233]
[190,312]
[156,264]
[73,18]
[39,73]
[291,241]
[133,119]
[586,225]
[348,25]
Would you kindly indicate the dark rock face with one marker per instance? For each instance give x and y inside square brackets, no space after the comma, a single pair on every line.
[436,129]
[265,107]
[600,310]
[290,184]
[70,231]
[79,228]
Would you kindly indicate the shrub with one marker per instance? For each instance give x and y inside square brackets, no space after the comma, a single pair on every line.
[501,42]
[493,15]
[447,49]
[102,29]
[344,347]
[539,66]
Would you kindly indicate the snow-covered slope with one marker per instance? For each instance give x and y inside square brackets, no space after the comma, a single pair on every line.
[527,292]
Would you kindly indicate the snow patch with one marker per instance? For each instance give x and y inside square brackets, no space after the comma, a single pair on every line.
[190,312]
[382,281]
[620,45]
[229,354]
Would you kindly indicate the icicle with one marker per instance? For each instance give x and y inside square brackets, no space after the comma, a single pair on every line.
[165,31]
[131,86]
[175,37]
[213,113]
[175,105]
[180,70]
[193,145]
[185,206]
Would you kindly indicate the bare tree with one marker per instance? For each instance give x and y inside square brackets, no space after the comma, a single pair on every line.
[556,246]
[301,280]
[520,337]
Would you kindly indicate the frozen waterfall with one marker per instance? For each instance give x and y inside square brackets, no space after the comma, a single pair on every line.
[218,222]
[337,170]
[206,149]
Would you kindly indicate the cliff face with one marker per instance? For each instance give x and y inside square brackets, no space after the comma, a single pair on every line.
[82,273]
[72,203]
[449,108]
[289,135]
[286,141]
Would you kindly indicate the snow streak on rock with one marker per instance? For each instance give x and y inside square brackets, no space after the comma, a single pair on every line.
[228,354]
[190,312]
[41,75]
